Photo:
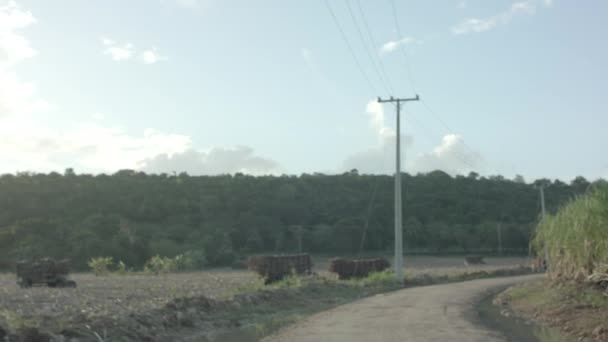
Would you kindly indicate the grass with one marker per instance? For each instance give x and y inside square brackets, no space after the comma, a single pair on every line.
[577,310]
[553,294]
[377,279]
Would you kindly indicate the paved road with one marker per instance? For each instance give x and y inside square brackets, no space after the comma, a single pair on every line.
[436,313]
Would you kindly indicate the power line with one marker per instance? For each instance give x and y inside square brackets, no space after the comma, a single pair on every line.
[399,39]
[370,207]
[366,47]
[410,78]
[350,48]
[374,44]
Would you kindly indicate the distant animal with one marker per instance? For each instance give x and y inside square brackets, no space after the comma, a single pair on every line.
[473,260]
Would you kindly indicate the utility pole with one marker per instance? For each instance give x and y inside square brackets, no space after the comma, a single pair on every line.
[398,206]
[542,205]
[298,231]
[499,231]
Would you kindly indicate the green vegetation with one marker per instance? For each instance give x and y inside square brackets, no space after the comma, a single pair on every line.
[100,265]
[576,240]
[576,237]
[567,311]
[157,265]
[121,268]
[132,216]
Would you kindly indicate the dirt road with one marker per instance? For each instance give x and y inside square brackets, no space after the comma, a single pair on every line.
[422,314]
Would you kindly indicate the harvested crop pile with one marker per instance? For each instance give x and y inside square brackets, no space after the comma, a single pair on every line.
[275,267]
[347,269]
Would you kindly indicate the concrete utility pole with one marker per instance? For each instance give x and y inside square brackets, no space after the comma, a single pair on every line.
[542,205]
[499,231]
[398,206]
[298,231]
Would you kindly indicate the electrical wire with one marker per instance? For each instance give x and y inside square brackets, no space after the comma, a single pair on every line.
[370,208]
[366,46]
[400,38]
[374,44]
[350,48]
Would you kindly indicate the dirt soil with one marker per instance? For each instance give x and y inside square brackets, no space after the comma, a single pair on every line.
[107,298]
[175,306]
[421,314]
[577,311]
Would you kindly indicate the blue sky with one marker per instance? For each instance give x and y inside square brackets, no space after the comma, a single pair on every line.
[209,86]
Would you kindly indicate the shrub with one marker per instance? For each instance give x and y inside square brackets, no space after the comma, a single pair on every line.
[157,265]
[190,261]
[100,265]
[290,281]
[121,268]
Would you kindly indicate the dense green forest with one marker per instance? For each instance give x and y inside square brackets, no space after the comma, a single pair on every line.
[132,216]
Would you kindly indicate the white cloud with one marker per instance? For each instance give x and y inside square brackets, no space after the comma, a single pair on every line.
[94,147]
[476,25]
[462,4]
[376,112]
[127,51]
[86,146]
[380,158]
[98,116]
[548,3]
[16,96]
[451,155]
[393,45]
[215,161]
[13,46]
[107,41]
[151,57]
[119,53]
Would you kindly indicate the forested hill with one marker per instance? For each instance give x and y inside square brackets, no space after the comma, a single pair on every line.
[132,216]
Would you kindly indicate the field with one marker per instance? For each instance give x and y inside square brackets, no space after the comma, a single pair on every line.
[111,296]
[114,297]
[437,265]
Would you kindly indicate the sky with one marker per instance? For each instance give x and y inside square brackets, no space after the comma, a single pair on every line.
[290,87]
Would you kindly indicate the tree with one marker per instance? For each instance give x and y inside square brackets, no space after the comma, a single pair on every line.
[133,216]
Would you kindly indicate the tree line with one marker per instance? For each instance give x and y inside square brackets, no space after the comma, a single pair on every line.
[132,216]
